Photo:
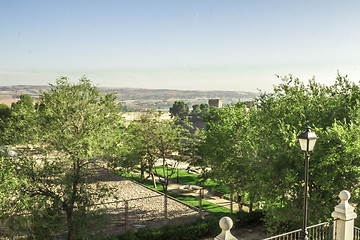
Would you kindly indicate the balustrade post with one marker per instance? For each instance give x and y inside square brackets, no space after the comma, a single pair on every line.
[344,215]
[225,224]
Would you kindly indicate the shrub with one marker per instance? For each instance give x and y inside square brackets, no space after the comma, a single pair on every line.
[195,230]
[252,218]
[188,231]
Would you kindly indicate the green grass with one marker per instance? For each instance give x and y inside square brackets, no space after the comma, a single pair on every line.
[184,176]
[137,178]
[191,178]
[191,200]
[207,206]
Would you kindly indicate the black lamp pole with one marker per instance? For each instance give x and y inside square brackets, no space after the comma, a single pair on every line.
[305,207]
[307,141]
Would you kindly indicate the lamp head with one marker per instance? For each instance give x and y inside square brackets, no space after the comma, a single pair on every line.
[307,140]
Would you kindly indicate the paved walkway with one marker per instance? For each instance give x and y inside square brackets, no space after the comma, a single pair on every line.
[208,196]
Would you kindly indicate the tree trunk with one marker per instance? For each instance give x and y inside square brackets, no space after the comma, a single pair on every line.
[142,173]
[251,205]
[153,179]
[69,224]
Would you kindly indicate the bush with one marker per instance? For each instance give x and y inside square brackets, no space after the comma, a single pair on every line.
[195,230]
[189,231]
[251,218]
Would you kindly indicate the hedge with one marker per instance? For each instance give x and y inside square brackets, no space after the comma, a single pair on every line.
[208,227]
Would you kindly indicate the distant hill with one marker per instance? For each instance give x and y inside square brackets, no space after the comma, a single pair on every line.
[137,99]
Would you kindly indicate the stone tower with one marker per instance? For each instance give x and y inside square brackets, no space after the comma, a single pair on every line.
[215,103]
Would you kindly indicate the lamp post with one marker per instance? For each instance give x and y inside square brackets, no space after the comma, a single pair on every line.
[307,140]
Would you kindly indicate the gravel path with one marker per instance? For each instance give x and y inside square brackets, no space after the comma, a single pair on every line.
[145,206]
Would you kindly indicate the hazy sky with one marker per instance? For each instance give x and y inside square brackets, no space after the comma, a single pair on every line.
[184,44]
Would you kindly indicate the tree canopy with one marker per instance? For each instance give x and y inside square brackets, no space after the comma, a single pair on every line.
[151,139]
[259,152]
[73,123]
[179,109]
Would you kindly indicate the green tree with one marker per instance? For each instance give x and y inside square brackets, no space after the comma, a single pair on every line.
[256,149]
[24,102]
[205,108]
[5,114]
[227,148]
[200,109]
[141,146]
[74,123]
[279,163]
[171,138]
[196,111]
[151,139]
[179,109]
[21,122]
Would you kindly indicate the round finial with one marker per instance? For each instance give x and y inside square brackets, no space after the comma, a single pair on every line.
[225,223]
[344,195]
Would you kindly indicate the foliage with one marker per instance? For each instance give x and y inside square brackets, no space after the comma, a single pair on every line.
[332,112]
[171,140]
[249,218]
[179,109]
[141,145]
[256,150]
[227,148]
[190,231]
[200,109]
[151,139]
[5,114]
[74,123]
[17,122]
[195,230]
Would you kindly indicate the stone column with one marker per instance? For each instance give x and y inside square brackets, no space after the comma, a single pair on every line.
[344,215]
[225,224]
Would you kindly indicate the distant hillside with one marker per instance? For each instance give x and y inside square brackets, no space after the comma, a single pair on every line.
[138,99]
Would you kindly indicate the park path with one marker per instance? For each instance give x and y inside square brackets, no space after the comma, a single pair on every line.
[208,196]
[145,206]
[246,233]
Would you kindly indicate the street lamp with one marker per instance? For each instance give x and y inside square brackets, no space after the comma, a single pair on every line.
[307,140]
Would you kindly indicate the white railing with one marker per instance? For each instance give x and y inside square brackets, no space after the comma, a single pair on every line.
[286,236]
[356,233]
[343,229]
[321,231]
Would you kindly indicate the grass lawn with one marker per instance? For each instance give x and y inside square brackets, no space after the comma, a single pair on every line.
[207,206]
[190,178]
[191,200]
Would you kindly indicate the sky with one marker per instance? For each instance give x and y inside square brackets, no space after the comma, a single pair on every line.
[239,45]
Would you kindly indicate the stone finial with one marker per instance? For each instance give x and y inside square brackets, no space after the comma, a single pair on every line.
[225,224]
[344,195]
[344,215]
[344,210]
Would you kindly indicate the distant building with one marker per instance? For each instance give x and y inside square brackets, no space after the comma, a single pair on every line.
[215,103]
